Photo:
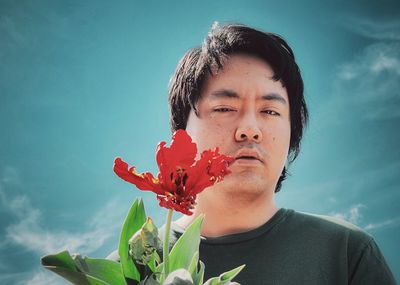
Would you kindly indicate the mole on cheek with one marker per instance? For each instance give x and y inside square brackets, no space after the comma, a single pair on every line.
[273,138]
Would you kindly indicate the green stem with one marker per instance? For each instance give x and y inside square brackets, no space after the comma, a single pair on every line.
[166,244]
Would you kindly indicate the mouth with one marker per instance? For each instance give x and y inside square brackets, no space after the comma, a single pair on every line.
[246,157]
[248,160]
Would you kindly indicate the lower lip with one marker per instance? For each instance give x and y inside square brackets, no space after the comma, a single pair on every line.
[245,161]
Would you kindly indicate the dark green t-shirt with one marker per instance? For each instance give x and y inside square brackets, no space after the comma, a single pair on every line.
[297,248]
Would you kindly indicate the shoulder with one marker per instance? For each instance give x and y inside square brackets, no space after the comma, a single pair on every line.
[365,262]
[325,221]
[331,228]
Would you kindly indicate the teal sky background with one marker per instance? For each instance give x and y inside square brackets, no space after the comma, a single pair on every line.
[82,82]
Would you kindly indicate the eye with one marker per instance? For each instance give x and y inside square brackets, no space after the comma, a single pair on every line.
[223,110]
[271,112]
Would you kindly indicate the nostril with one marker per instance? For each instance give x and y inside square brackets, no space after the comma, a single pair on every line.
[242,136]
[255,137]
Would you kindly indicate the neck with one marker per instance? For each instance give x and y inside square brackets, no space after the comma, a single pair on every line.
[226,213]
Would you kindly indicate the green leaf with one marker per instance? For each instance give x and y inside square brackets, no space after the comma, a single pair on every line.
[160,267]
[154,260]
[94,281]
[200,275]
[197,275]
[225,278]
[182,253]
[228,276]
[133,222]
[193,265]
[61,259]
[106,270]
[63,265]
[84,271]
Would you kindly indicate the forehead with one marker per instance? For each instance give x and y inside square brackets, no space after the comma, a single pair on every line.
[245,65]
[245,75]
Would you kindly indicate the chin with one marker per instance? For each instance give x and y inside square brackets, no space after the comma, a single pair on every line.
[245,182]
[247,174]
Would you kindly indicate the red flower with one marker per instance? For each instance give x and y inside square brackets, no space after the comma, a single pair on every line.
[181,177]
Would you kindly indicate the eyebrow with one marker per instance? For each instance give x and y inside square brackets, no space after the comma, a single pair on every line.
[226,93]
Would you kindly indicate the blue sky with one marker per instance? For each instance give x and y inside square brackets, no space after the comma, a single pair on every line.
[82,83]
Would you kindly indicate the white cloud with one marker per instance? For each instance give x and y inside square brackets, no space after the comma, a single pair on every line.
[10,176]
[29,232]
[380,30]
[42,277]
[9,278]
[368,86]
[383,224]
[372,62]
[36,277]
[352,215]
[384,62]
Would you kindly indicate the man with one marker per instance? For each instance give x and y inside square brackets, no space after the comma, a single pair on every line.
[242,91]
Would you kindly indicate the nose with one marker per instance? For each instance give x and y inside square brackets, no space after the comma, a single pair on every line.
[248,130]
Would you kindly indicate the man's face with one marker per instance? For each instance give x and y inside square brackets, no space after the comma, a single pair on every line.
[244,112]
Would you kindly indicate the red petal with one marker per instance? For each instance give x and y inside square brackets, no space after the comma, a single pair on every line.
[164,202]
[219,165]
[182,152]
[143,181]
[210,168]
[198,177]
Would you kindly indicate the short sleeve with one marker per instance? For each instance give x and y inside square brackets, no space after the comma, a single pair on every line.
[370,267]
